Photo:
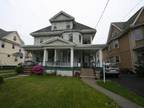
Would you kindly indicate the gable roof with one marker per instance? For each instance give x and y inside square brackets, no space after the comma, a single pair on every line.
[76,26]
[130,21]
[4,33]
[68,17]
[124,26]
[54,39]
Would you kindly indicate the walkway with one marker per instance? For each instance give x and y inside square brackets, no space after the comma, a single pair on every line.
[124,103]
[18,76]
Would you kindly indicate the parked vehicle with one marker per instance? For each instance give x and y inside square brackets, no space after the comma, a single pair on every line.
[111,69]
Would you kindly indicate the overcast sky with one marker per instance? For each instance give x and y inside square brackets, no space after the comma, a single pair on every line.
[26,16]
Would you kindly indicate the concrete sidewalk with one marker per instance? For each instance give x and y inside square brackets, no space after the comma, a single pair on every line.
[18,76]
[123,102]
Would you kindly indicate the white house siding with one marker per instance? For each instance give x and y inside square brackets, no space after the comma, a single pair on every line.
[62,25]
[8,50]
[11,37]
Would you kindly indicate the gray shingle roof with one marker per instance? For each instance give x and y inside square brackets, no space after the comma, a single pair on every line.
[127,24]
[4,33]
[76,26]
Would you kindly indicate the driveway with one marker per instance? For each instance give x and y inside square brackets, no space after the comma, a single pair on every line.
[132,82]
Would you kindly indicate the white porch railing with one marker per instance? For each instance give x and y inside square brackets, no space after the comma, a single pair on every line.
[59,64]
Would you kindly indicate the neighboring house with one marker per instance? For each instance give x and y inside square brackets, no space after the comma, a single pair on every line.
[11,51]
[65,46]
[125,44]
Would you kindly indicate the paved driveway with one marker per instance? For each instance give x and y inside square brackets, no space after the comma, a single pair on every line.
[132,82]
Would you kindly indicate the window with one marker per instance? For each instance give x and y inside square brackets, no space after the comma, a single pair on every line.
[116,44]
[80,38]
[71,37]
[68,26]
[2,45]
[14,38]
[117,59]
[8,55]
[15,59]
[19,50]
[55,28]
[21,57]
[41,40]
[13,46]
[86,41]
[109,47]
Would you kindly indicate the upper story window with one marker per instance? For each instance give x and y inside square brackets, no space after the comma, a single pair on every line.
[86,41]
[109,47]
[2,45]
[13,46]
[68,26]
[54,27]
[116,44]
[19,50]
[41,40]
[71,37]
[137,34]
[80,38]
[8,55]
[14,38]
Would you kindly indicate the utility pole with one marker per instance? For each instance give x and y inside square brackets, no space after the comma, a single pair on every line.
[104,72]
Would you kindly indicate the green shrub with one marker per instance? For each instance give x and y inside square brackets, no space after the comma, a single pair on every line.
[1,80]
[19,69]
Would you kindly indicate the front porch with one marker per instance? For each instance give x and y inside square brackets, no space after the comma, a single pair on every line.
[65,58]
[65,61]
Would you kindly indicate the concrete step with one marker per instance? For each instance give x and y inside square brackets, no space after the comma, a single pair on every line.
[87,73]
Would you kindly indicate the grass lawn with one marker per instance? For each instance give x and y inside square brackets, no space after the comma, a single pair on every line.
[117,88]
[51,92]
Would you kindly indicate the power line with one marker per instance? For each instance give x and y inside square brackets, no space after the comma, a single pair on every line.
[132,9]
[102,13]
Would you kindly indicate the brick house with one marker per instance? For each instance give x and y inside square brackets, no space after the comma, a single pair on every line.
[125,43]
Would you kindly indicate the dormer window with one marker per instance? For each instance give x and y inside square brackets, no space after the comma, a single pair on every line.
[68,26]
[14,38]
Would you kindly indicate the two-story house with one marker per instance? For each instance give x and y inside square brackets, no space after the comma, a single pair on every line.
[125,44]
[11,51]
[65,46]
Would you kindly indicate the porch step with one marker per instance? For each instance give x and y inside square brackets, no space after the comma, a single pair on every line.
[87,73]
[27,70]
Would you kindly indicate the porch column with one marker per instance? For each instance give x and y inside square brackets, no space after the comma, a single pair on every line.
[72,57]
[55,55]
[44,57]
[91,38]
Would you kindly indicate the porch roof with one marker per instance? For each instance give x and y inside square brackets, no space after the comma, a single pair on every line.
[80,47]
